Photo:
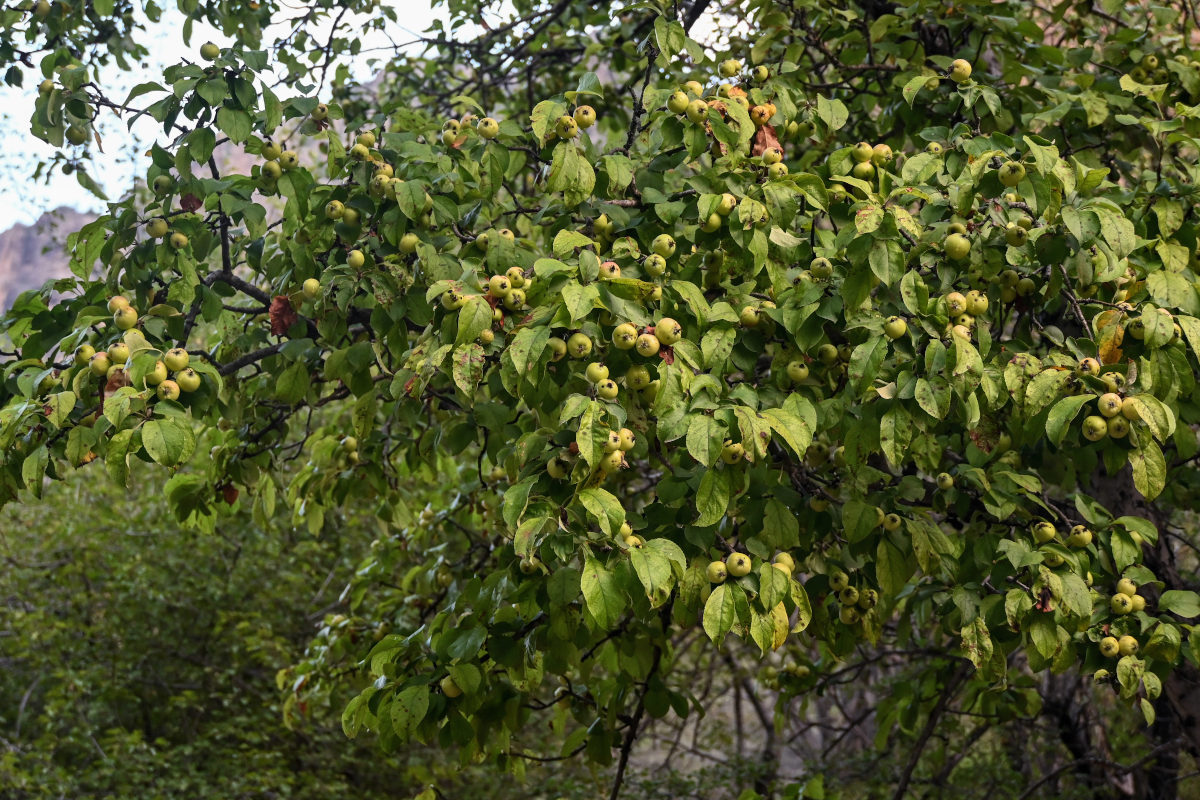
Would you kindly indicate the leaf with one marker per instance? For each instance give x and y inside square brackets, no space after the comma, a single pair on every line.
[571,174]
[605,507]
[832,112]
[791,428]
[1058,421]
[1045,388]
[865,361]
[1149,470]
[468,368]
[602,594]
[704,439]
[725,607]
[913,87]
[977,643]
[654,571]
[408,708]
[168,441]
[474,318]
[116,457]
[1181,602]
[712,498]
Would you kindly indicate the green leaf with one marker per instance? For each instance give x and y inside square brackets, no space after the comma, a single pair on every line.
[913,87]
[865,361]
[116,457]
[704,439]
[474,318]
[1045,388]
[712,498]
[605,508]
[602,594]
[832,112]
[1149,470]
[726,606]
[655,572]
[170,442]
[468,368]
[571,174]
[408,708]
[791,428]
[1058,421]
[977,643]
[1181,602]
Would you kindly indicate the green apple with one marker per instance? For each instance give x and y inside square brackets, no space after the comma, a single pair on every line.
[771,155]
[1015,235]
[77,134]
[732,452]
[585,116]
[957,246]
[1080,536]
[730,67]
[749,317]
[355,259]
[188,380]
[1011,173]
[934,148]
[655,265]
[168,390]
[956,303]
[717,572]
[579,345]
[821,268]
[176,359]
[99,364]
[334,209]
[697,111]
[797,371]
[597,372]
[272,170]
[625,336]
[178,240]
[668,331]
[895,327]
[311,289]
[1139,603]
[1110,647]
[320,112]
[960,70]
[408,243]
[488,128]
[892,522]
[1109,404]
[125,318]
[738,564]
[157,375]
[1127,645]
[1088,366]
[1120,604]
[449,687]
[777,171]
[849,615]
[1118,428]
[83,354]
[647,345]
[209,51]
[499,286]
[566,127]
[678,102]
[157,227]
[881,155]
[628,439]
[945,481]
[514,300]
[663,245]
[1094,428]
[1126,587]
[863,171]
[637,377]
[607,389]
[610,270]
[118,352]
[827,354]
[977,303]
[862,152]
[288,160]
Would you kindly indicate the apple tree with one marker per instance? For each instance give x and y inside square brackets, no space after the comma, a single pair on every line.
[803,329]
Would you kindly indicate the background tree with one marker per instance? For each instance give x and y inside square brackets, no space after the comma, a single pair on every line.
[864,333]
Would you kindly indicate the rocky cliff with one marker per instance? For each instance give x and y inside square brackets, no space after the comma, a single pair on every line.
[30,255]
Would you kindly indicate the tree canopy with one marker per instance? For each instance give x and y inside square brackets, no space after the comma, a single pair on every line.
[638,335]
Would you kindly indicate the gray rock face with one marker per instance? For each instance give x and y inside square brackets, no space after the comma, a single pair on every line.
[30,255]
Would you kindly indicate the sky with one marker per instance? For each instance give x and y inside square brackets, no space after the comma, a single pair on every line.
[23,199]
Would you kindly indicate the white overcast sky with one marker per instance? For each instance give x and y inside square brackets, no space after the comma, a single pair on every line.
[23,199]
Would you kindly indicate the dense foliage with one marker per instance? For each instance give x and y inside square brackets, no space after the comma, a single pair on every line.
[852,326]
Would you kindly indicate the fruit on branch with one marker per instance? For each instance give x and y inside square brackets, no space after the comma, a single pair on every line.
[738,564]
[178,240]
[168,390]
[566,127]
[625,336]
[596,372]
[311,289]
[579,345]
[957,246]
[732,452]
[1127,645]
[1094,428]
[157,374]
[1120,603]
[697,111]
[960,70]
[895,327]
[678,103]
[729,67]
[1044,532]
[945,481]
[209,51]
[125,317]
[488,128]
[585,116]
[188,380]
[1110,647]
[668,331]
[157,227]
[647,345]
[99,364]
[1011,173]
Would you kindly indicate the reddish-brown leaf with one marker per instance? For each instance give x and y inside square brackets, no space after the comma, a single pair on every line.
[765,137]
[283,316]
[189,202]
